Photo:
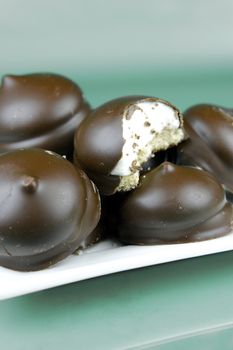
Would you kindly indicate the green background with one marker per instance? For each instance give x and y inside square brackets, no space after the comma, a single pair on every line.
[177,50]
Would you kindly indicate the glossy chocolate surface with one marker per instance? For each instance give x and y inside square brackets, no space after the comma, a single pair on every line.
[170,155]
[99,141]
[175,204]
[40,110]
[210,144]
[48,208]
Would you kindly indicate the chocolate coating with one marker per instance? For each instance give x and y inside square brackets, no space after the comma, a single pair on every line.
[175,204]
[48,208]
[40,110]
[210,143]
[99,141]
[170,155]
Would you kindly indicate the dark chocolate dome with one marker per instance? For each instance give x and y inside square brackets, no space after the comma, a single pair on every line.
[175,204]
[48,208]
[40,110]
[210,143]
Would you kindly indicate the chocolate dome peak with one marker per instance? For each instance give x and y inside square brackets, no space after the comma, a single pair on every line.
[39,110]
[29,184]
[48,208]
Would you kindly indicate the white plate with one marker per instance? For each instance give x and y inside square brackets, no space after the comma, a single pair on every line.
[102,259]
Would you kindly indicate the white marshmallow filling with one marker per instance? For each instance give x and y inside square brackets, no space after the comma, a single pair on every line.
[148,127]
